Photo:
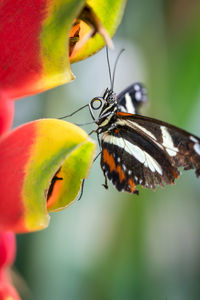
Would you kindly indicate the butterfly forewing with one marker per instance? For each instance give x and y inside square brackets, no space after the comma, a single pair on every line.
[145,151]
[131,99]
[182,148]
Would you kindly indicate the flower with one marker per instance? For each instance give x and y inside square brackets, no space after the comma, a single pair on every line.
[41,159]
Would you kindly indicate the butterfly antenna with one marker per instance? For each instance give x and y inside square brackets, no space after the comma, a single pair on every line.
[117,59]
[109,69]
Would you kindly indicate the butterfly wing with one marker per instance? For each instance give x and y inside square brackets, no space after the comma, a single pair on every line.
[145,151]
[131,99]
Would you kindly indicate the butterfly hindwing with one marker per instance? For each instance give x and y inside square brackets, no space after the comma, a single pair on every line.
[112,159]
[127,163]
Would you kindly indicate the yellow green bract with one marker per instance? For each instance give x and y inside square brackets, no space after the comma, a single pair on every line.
[110,13]
[54,41]
[59,145]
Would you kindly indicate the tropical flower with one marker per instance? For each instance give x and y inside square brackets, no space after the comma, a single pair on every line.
[43,162]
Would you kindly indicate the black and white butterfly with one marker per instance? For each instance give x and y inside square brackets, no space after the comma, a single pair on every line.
[138,150]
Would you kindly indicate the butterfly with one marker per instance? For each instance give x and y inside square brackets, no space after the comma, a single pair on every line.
[138,150]
[135,149]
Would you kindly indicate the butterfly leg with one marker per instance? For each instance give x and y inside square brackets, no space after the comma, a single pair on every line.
[106,182]
[91,132]
[96,156]
[81,192]
[99,141]
[83,182]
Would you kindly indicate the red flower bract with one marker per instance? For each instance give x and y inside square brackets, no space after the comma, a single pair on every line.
[6,114]
[7,248]
[7,255]
[33,58]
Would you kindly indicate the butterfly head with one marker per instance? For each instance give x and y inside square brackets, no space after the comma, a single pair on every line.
[109,99]
[107,104]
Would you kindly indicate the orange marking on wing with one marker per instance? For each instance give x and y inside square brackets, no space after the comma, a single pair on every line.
[109,159]
[119,113]
[120,172]
[175,174]
[132,185]
[116,131]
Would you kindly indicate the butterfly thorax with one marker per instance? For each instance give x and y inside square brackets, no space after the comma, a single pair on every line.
[107,115]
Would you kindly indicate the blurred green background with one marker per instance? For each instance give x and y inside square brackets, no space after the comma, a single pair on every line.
[113,245]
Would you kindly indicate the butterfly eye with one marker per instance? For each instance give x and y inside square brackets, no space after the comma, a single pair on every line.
[96,103]
[111,98]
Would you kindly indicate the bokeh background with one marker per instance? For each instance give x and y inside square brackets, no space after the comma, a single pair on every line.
[113,245]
